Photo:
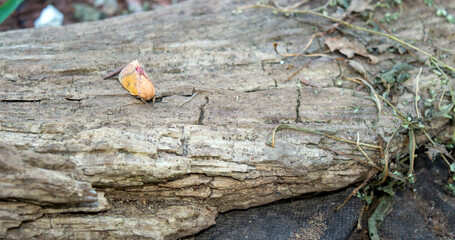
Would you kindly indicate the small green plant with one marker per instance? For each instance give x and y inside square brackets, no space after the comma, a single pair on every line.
[387,4]
[450,187]
[7,8]
[440,12]
[428,2]
[390,17]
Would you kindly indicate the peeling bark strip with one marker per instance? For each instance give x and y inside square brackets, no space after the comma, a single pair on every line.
[75,144]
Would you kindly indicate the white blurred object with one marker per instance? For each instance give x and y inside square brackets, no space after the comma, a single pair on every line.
[109,7]
[134,5]
[50,16]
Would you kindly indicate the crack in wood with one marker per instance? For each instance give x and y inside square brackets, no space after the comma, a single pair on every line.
[20,100]
[74,99]
[297,108]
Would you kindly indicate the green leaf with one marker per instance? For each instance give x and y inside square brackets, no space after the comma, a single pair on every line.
[397,74]
[387,189]
[344,3]
[450,187]
[382,210]
[450,18]
[444,111]
[429,3]
[411,178]
[7,8]
[452,167]
[441,12]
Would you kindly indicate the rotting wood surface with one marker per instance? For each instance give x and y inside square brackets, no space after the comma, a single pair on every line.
[81,158]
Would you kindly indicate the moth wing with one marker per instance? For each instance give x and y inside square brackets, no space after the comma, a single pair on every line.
[129,79]
[145,88]
[138,84]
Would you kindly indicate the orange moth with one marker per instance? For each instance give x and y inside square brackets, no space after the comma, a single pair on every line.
[134,79]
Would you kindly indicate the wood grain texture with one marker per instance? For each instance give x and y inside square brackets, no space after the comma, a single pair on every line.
[165,171]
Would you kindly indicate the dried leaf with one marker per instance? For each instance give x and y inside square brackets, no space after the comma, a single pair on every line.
[349,49]
[383,47]
[358,68]
[360,6]
[433,151]
[374,95]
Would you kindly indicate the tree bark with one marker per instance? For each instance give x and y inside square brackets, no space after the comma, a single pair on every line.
[82,158]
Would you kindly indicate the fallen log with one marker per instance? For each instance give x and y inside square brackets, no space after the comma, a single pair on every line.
[82,158]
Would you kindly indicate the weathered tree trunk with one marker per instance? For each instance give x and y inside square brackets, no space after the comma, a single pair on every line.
[82,158]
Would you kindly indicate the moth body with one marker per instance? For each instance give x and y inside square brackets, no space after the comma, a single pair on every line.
[134,79]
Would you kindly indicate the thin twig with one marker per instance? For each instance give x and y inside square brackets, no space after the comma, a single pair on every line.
[382,26]
[299,70]
[387,30]
[386,157]
[450,85]
[191,98]
[373,93]
[352,157]
[412,149]
[359,219]
[441,98]
[297,5]
[363,162]
[322,54]
[417,93]
[361,150]
[306,47]
[371,174]
[287,126]
[113,73]
[401,116]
